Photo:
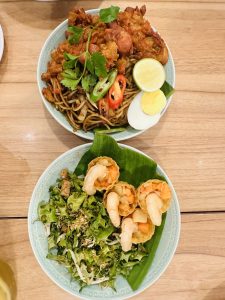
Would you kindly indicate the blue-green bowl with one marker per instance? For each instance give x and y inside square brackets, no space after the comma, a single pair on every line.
[52,42]
[58,273]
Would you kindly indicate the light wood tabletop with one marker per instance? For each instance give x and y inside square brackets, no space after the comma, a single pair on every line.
[188,142]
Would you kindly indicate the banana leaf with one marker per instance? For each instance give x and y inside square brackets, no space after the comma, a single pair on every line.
[167,89]
[135,168]
[139,271]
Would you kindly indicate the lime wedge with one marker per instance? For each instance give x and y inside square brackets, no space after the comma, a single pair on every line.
[153,103]
[5,293]
[149,74]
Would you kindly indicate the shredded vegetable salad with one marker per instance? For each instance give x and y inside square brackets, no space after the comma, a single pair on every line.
[81,235]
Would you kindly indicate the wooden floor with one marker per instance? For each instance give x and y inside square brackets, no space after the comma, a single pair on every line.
[188,142]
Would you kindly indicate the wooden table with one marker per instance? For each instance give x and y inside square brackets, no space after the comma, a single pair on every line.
[188,143]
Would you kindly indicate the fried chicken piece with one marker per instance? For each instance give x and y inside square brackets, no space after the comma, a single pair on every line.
[64,47]
[48,95]
[98,36]
[57,56]
[54,68]
[153,47]
[142,10]
[77,16]
[132,20]
[45,76]
[93,48]
[75,49]
[109,50]
[121,65]
[146,42]
[121,37]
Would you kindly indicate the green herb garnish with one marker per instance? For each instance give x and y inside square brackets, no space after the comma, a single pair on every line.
[88,81]
[95,64]
[99,63]
[81,236]
[70,83]
[70,74]
[69,56]
[77,32]
[103,130]
[109,14]
[90,64]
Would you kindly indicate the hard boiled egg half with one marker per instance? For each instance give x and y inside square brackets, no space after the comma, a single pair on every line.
[146,107]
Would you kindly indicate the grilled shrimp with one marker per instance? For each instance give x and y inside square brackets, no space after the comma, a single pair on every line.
[102,174]
[126,195]
[154,197]
[128,228]
[112,205]
[145,227]
[136,228]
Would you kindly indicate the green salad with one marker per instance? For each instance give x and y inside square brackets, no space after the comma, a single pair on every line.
[79,230]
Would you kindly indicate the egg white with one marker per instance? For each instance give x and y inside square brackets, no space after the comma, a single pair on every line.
[137,118]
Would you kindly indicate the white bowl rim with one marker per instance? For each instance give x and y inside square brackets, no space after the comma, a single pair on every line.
[81,133]
[88,145]
[1,42]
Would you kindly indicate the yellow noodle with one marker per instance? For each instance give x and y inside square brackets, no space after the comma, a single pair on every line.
[71,104]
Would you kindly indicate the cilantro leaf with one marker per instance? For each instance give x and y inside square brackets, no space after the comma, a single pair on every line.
[69,56]
[89,64]
[69,64]
[88,81]
[77,71]
[109,14]
[99,62]
[70,74]
[77,32]
[70,83]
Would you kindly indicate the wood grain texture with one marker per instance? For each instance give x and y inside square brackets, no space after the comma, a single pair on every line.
[196,272]
[188,142]
[140,2]
[194,32]
[189,146]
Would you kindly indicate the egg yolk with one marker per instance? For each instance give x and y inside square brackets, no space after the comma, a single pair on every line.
[153,103]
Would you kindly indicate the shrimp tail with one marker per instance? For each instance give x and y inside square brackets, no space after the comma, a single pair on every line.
[112,206]
[96,172]
[128,228]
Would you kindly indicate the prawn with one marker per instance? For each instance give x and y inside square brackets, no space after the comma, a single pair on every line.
[102,174]
[154,197]
[128,228]
[112,208]
[96,172]
[126,199]
[145,227]
[137,228]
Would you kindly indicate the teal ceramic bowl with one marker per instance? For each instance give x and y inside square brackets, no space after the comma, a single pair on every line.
[57,36]
[58,273]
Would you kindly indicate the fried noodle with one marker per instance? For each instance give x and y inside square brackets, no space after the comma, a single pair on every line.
[122,43]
